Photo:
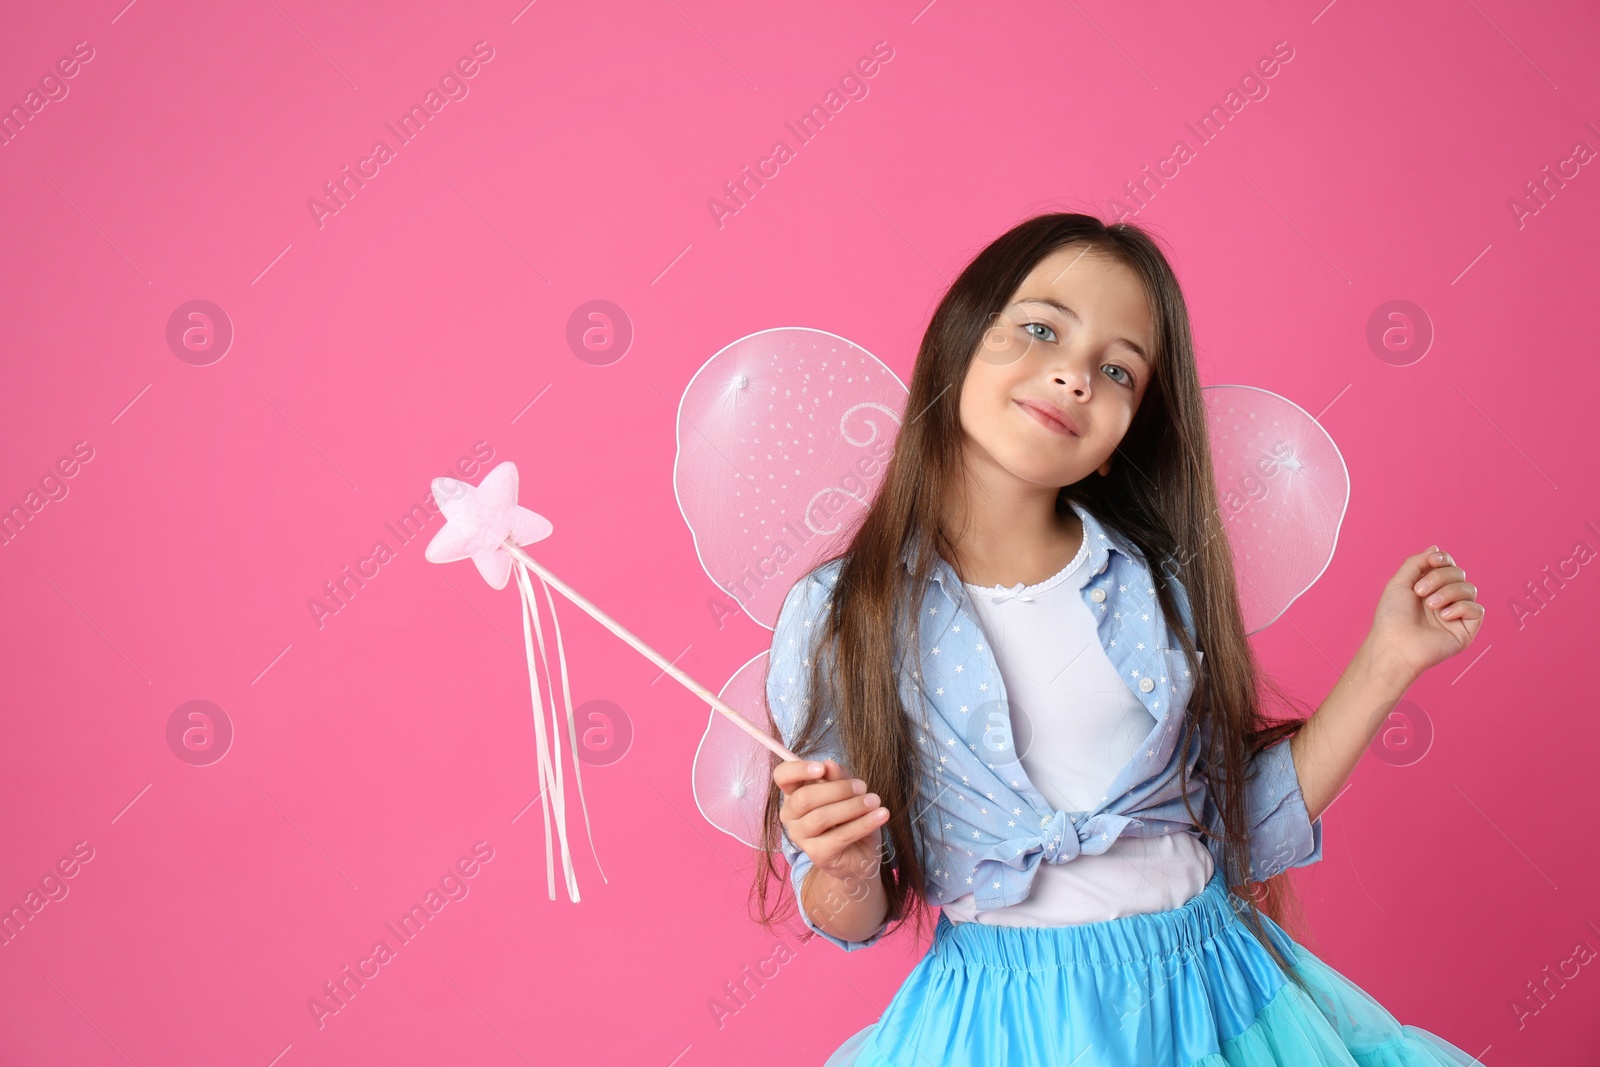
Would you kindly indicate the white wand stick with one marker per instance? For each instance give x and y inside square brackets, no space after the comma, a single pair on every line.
[649,653]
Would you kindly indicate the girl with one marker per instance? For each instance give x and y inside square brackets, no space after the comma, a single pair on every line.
[1032,654]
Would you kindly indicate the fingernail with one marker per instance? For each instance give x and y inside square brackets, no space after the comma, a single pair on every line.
[813,768]
[858,786]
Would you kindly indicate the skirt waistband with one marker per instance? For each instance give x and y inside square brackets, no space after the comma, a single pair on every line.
[1154,935]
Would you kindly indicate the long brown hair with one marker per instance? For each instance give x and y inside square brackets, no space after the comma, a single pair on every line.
[1161,494]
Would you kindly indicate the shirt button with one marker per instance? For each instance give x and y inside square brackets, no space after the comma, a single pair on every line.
[1146,684]
[1098,595]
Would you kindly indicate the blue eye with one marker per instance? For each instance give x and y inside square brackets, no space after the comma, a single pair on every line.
[1044,327]
[1126,379]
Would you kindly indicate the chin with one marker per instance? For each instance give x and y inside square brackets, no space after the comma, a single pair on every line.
[1029,468]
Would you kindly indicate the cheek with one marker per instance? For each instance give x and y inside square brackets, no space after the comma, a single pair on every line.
[986,389]
[984,400]
[978,416]
[1111,417]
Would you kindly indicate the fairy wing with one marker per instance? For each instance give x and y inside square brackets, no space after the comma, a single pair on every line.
[783,437]
[732,773]
[1282,487]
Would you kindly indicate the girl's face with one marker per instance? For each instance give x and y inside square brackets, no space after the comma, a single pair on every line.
[1074,346]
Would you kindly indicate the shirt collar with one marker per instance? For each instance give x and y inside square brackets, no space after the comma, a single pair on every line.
[1102,541]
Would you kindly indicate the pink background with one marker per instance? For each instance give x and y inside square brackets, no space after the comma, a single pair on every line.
[373,352]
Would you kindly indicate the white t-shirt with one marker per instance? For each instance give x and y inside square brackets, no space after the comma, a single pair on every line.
[1076,725]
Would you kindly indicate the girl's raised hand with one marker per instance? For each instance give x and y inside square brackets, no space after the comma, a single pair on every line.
[1426,613]
[833,819]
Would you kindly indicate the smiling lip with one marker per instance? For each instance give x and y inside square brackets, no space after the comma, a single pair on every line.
[1049,417]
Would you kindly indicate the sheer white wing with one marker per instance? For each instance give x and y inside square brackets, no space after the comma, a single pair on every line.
[783,438]
[732,773]
[1282,487]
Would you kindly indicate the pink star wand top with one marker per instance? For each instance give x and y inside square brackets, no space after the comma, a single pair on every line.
[486,524]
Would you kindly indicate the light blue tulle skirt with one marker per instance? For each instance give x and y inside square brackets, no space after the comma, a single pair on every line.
[1190,987]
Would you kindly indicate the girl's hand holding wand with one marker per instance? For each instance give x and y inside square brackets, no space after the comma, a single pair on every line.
[1426,614]
[839,825]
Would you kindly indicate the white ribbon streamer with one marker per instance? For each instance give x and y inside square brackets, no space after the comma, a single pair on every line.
[551,782]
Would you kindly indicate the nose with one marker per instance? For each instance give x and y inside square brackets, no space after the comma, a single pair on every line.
[1074,369]
[1074,380]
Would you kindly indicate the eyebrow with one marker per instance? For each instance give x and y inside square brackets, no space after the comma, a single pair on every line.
[1064,309]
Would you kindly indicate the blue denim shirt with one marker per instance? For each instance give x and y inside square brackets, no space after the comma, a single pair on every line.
[988,826]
